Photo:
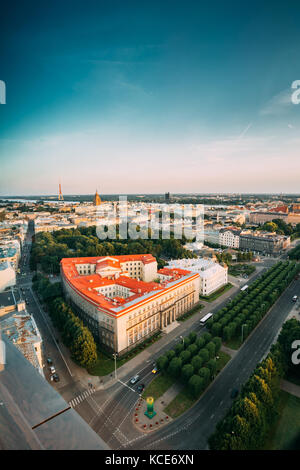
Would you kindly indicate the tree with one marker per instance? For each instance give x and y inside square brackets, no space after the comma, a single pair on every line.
[185,356]
[196,385]
[162,362]
[212,366]
[197,362]
[204,372]
[204,354]
[187,372]
[174,367]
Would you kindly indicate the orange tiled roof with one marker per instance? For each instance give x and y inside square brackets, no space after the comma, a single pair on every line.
[87,285]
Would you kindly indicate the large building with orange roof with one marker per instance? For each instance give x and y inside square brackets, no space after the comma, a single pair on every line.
[125,299]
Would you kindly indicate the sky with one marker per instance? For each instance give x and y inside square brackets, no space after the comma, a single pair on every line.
[149,96]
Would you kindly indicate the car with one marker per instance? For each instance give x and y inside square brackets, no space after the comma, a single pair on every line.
[54,378]
[52,370]
[234,393]
[49,361]
[295,298]
[135,379]
[154,370]
[140,388]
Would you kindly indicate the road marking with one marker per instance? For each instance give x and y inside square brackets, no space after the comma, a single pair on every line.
[80,398]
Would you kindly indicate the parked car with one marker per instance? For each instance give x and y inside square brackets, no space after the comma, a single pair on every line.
[135,379]
[49,361]
[54,378]
[52,370]
[140,388]
[154,370]
[295,298]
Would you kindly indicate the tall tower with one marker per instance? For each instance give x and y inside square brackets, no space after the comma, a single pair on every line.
[60,196]
[97,200]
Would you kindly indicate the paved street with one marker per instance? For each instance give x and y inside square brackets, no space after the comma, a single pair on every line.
[108,408]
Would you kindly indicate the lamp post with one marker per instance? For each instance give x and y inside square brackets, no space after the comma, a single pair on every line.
[243,331]
[181,337]
[115,358]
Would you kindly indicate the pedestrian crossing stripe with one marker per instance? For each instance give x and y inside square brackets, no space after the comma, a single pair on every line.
[80,398]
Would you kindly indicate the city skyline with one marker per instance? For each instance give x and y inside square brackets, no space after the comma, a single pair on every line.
[137,98]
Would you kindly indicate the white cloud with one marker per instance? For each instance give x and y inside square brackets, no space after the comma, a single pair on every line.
[278,104]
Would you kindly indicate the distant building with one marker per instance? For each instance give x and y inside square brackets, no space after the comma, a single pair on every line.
[263,217]
[263,242]
[230,237]
[97,200]
[167,197]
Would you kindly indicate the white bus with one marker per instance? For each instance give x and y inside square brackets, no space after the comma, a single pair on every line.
[205,318]
[244,288]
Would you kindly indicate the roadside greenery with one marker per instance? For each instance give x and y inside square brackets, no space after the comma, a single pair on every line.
[295,253]
[241,269]
[216,294]
[75,335]
[243,313]
[252,415]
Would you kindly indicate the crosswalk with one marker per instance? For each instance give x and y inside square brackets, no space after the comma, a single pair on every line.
[80,398]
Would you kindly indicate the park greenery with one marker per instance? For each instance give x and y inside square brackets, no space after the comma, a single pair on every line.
[247,424]
[241,269]
[281,228]
[49,248]
[240,316]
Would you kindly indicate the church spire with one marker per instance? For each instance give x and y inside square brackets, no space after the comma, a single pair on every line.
[97,200]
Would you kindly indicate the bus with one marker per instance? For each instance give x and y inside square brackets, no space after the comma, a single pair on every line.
[205,318]
[244,288]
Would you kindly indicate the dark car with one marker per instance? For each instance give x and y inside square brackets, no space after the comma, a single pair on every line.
[234,393]
[140,388]
[54,377]
[49,361]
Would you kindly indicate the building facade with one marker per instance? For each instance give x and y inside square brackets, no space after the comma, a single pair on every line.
[124,299]
[262,242]
[212,276]
[229,237]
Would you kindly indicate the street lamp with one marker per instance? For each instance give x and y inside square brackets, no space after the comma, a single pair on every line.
[115,358]
[243,331]
[181,337]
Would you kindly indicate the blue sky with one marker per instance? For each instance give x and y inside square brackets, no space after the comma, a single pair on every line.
[149,96]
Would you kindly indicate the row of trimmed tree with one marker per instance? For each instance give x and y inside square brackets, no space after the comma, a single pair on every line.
[248,421]
[193,361]
[244,312]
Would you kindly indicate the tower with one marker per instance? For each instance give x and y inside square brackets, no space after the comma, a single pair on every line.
[97,200]
[60,196]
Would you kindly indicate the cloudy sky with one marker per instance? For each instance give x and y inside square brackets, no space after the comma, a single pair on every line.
[149,96]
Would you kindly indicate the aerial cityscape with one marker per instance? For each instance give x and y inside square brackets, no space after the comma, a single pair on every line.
[149,229]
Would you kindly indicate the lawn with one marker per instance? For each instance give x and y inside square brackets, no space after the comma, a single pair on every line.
[106,365]
[234,343]
[158,386]
[285,433]
[215,295]
[184,400]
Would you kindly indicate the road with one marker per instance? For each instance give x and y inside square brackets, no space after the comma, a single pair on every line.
[109,412]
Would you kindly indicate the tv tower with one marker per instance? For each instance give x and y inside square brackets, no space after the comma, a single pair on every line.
[60,195]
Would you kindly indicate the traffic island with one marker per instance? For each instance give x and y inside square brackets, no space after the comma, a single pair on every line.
[146,419]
